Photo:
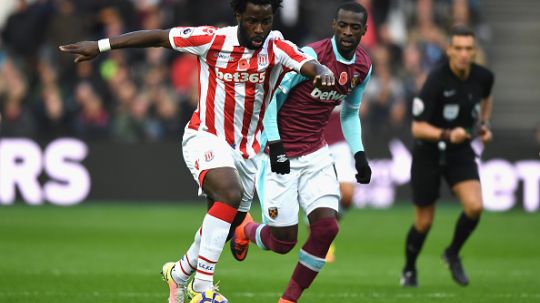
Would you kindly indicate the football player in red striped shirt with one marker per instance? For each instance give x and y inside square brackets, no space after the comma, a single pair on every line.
[239,69]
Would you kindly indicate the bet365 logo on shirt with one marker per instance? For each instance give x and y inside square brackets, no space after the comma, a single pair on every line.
[240,77]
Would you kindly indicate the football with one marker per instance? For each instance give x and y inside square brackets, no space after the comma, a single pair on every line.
[209,296]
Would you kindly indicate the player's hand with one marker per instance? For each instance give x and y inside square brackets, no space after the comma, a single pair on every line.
[459,135]
[279,162]
[85,50]
[363,170]
[485,134]
[325,80]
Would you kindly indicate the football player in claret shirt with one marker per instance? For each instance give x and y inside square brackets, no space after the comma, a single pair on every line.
[454,100]
[239,68]
[306,177]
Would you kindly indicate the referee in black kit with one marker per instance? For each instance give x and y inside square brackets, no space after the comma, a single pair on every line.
[454,105]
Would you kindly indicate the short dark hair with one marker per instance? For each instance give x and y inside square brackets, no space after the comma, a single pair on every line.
[461,30]
[239,6]
[353,7]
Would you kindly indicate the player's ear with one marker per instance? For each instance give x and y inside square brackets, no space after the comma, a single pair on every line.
[334,24]
[238,17]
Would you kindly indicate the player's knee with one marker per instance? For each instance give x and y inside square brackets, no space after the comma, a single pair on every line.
[423,225]
[424,219]
[231,195]
[282,246]
[474,211]
[325,230]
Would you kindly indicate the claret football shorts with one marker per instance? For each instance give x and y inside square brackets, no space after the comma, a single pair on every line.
[312,183]
[203,151]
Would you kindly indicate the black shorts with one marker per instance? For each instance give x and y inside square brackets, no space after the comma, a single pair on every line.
[428,167]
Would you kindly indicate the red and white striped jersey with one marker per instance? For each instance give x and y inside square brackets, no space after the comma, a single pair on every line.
[235,83]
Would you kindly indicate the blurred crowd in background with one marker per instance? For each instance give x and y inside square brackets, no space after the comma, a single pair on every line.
[146,95]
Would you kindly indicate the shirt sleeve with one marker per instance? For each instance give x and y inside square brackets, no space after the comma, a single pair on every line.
[194,40]
[291,79]
[490,79]
[423,104]
[271,130]
[289,55]
[350,116]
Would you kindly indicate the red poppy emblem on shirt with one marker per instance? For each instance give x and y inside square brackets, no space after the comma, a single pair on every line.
[243,64]
[342,78]
[208,30]
[208,156]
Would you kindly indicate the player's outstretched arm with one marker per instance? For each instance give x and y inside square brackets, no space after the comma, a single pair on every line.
[322,76]
[88,50]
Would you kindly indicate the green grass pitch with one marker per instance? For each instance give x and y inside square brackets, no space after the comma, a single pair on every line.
[111,252]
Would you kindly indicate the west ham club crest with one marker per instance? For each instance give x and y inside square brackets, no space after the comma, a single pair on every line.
[355,80]
[272,212]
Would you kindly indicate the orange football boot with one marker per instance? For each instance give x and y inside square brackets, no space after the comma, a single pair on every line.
[240,241]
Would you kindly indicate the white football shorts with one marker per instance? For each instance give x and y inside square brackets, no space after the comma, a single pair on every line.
[203,151]
[312,183]
[344,162]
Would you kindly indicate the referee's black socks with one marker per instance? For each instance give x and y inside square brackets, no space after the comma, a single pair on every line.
[464,228]
[413,246]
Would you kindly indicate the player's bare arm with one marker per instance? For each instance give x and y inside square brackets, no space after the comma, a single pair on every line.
[485,115]
[88,50]
[322,76]
[426,131]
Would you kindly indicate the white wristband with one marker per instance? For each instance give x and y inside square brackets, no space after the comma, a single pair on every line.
[104,45]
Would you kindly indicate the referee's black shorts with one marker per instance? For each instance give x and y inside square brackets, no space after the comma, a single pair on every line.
[427,169]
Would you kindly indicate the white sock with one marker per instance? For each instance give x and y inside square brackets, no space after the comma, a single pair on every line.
[184,268]
[213,238]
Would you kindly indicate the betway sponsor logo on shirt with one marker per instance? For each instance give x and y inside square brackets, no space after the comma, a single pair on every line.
[331,95]
[240,76]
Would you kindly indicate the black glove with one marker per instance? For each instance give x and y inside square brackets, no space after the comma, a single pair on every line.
[279,162]
[362,167]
